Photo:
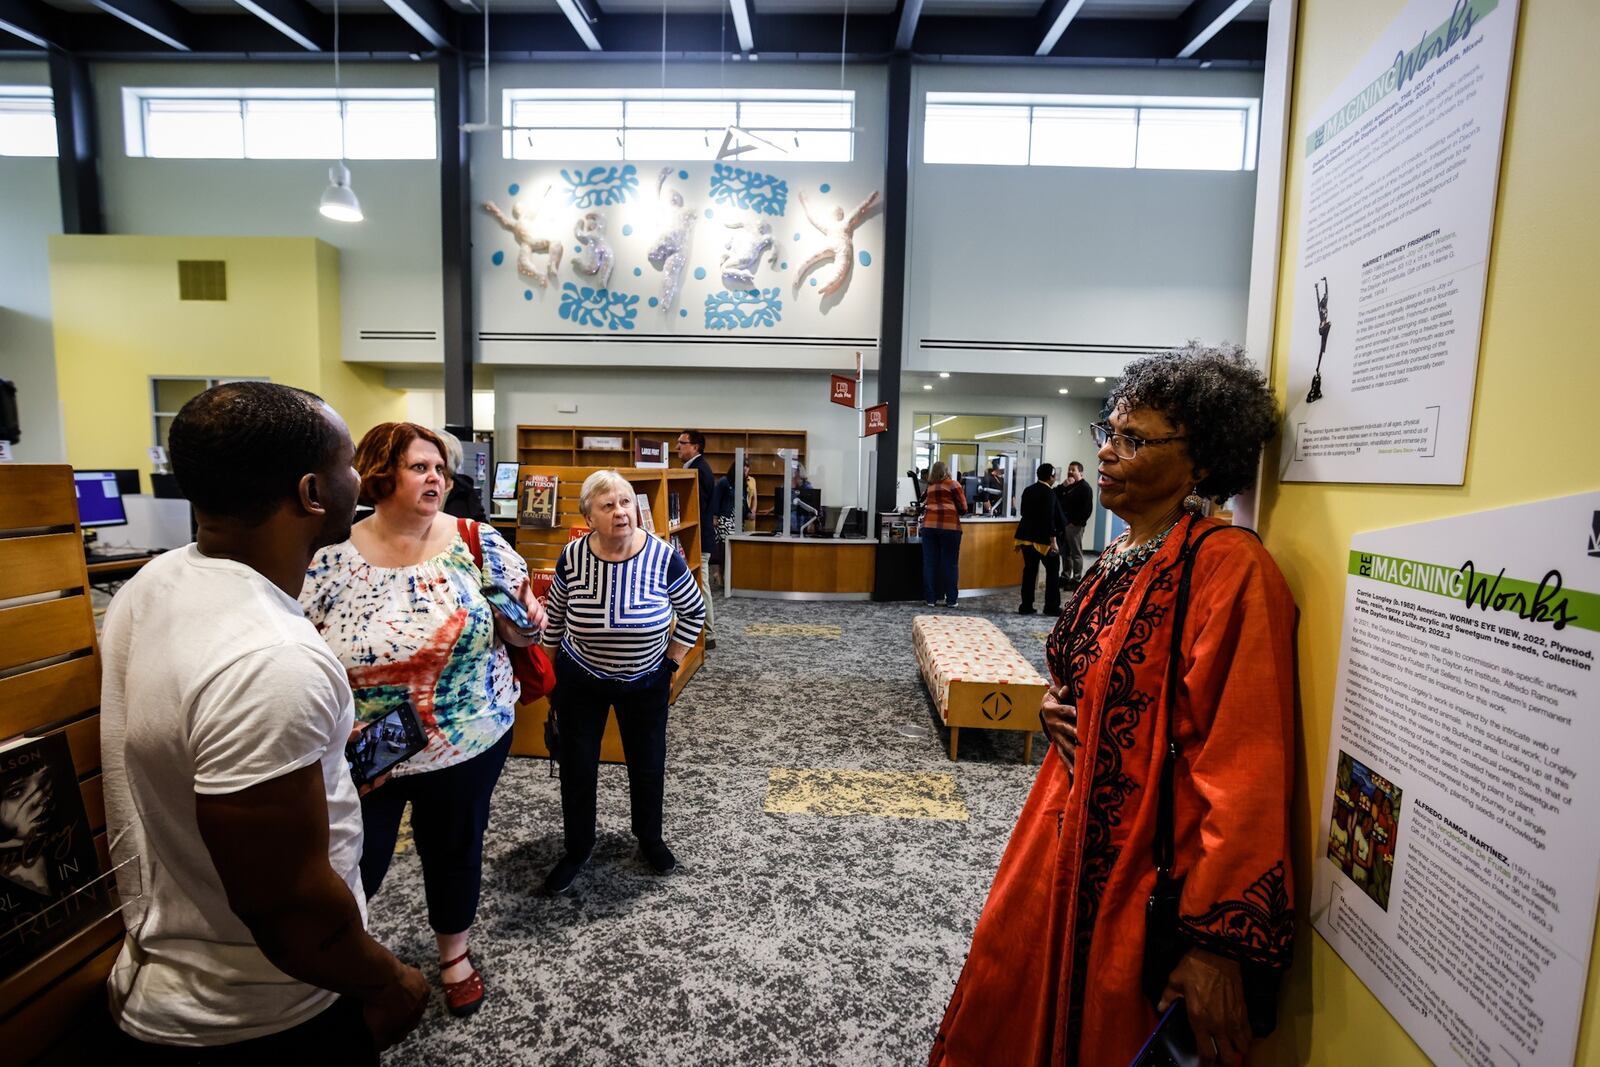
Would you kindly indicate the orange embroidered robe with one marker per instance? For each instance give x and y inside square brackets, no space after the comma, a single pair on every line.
[1053,973]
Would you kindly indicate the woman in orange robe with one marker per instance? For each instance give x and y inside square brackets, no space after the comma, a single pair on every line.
[1053,975]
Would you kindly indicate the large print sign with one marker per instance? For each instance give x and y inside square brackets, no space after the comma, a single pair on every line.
[1396,215]
[1459,854]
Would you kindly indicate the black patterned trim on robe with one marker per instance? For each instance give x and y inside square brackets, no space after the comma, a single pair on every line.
[1256,929]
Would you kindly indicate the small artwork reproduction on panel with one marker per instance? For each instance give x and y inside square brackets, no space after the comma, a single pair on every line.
[1366,820]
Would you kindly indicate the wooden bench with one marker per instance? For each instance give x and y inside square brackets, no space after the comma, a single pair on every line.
[976,677]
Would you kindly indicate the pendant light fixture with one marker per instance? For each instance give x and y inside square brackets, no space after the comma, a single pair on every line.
[338,199]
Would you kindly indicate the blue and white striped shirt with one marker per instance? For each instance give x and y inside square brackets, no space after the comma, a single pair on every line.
[615,619]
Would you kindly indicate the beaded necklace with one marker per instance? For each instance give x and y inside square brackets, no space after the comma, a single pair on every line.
[1132,557]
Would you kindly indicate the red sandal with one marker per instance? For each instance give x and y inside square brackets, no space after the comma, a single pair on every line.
[463,997]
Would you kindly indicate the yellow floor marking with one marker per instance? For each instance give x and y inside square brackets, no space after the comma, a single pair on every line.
[886,794]
[1043,635]
[402,843]
[792,629]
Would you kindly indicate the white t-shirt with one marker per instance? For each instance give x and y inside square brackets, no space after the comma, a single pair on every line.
[214,681]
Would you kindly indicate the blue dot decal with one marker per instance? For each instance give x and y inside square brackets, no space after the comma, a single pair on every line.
[683,174]
[683,313]
[825,187]
[498,258]
[709,213]
[527,294]
[577,249]
[627,231]
[699,274]
[797,237]
[866,258]
[813,281]
[783,266]
[513,188]
[654,301]
[637,272]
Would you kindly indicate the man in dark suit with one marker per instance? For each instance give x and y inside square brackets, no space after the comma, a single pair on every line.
[1040,527]
[691,450]
[1077,505]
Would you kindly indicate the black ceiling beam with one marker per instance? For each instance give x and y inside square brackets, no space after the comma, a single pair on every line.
[77,155]
[296,20]
[906,28]
[161,19]
[35,23]
[239,36]
[1203,20]
[435,22]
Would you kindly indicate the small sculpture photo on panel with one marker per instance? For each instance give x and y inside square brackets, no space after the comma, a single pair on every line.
[1366,818]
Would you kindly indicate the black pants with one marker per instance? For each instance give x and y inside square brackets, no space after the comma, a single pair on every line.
[581,702]
[1030,574]
[449,813]
[337,1035]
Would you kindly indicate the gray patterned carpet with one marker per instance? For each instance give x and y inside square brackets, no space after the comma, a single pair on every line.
[781,938]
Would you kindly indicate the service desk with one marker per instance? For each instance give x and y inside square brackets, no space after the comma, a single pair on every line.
[989,562]
[800,568]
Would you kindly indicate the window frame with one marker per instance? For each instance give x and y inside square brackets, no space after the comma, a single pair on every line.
[844,99]
[1249,107]
[208,382]
[136,101]
[19,94]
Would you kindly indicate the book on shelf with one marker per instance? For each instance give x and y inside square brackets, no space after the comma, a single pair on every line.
[578,532]
[538,510]
[677,546]
[674,509]
[540,581]
[647,521]
[50,878]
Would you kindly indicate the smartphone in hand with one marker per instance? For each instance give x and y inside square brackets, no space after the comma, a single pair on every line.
[1172,1043]
[502,601]
[390,740]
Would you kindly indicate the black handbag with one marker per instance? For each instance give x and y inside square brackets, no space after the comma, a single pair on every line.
[1164,941]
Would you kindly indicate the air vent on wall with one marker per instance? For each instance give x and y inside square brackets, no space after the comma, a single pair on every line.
[202,279]
[398,335]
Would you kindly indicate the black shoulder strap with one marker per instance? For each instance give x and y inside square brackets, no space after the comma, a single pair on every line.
[1164,846]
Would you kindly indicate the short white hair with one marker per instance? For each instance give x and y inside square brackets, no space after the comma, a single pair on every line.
[452,449]
[601,481]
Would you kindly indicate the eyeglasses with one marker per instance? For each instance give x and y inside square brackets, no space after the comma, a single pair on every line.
[1124,445]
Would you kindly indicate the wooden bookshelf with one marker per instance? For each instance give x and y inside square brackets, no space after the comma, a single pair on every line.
[542,549]
[555,446]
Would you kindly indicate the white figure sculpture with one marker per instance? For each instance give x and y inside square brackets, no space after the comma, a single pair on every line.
[595,260]
[741,253]
[840,247]
[670,252]
[530,242]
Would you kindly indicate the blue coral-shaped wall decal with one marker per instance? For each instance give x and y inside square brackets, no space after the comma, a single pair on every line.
[749,189]
[604,309]
[744,309]
[600,186]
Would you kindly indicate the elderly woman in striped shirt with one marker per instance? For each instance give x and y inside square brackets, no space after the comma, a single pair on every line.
[624,610]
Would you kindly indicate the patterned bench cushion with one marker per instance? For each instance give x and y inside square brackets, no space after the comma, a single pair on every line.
[962,648]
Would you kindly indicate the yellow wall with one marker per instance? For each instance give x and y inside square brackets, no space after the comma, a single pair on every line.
[118,322]
[1539,370]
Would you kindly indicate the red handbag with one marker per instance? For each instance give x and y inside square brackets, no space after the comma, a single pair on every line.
[536,675]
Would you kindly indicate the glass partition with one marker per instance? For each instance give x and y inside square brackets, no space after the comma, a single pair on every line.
[993,456]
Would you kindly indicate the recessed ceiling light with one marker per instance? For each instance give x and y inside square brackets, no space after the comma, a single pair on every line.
[927,387]
[1062,391]
[944,374]
[1099,381]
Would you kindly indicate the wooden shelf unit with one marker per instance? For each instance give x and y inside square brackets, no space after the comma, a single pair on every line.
[555,446]
[542,549]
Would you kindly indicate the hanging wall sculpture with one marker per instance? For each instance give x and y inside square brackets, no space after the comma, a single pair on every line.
[741,253]
[601,308]
[839,246]
[670,252]
[596,260]
[744,310]
[530,241]
[601,186]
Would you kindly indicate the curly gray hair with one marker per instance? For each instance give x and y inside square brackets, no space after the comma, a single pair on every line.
[1220,399]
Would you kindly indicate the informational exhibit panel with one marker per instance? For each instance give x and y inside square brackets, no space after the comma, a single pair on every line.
[1396,215]
[1459,852]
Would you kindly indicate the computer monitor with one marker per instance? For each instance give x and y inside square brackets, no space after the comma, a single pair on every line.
[505,481]
[99,499]
[128,481]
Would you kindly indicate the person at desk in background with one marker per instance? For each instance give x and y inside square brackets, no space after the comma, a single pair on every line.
[692,451]
[750,497]
[624,612]
[402,605]
[1057,968]
[800,515]
[231,815]
[992,489]
[943,504]
[1040,529]
[1077,506]
[722,508]
[464,500]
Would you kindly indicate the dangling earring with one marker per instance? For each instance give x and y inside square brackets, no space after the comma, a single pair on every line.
[1194,503]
